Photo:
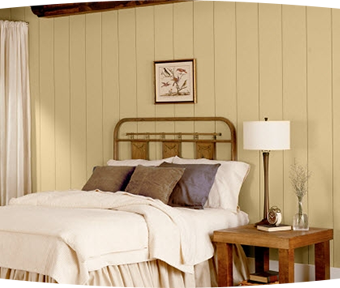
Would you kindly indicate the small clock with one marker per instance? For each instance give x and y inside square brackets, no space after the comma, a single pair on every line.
[274,216]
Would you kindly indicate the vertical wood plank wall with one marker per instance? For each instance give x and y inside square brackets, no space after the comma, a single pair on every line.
[253,61]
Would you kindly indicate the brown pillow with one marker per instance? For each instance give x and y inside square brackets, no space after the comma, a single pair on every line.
[154,182]
[109,178]
[193,189]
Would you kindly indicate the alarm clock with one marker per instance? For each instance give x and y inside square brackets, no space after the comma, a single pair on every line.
[274,216]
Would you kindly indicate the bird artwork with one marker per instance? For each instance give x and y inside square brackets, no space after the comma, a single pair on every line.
[174,81]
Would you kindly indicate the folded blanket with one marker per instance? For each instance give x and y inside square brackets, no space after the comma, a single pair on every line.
[81,226]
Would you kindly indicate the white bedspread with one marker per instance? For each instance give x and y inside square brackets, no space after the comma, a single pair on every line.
[67,234]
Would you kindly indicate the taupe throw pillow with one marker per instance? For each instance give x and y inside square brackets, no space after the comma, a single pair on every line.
[109,178]
[154,182]
[193,189]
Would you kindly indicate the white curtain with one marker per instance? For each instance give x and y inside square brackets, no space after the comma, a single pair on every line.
[15,150]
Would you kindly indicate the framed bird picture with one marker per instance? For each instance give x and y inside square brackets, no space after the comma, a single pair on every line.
[175,81]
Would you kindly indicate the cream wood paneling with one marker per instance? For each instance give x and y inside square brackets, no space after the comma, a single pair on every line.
[225,59]
[78,103]
[184,49]
[183,38]
[62,102]
[247,69]
[110,78]
[320,148]
[164,50]
[47,105]
[127,62]
[183,23]
[94,91]
[270,81]
[145,55]
[127,70]
[336,133]
[294,41]
[144,60]
[204,53]
[320,113]
[253,60]
[225,66]
[34,64]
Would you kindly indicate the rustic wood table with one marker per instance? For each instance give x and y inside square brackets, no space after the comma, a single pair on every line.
[285,241]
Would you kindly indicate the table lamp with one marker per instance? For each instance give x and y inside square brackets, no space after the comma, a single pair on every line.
[266,136]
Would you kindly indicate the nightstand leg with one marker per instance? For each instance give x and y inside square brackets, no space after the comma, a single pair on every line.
[224,264]
[322,261]
[261,259]
[286,265]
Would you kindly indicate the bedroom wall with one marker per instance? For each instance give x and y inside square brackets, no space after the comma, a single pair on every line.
[253,60]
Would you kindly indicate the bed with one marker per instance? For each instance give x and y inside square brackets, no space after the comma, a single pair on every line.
[136,222]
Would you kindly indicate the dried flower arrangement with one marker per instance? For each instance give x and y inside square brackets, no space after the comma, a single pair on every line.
[299,177]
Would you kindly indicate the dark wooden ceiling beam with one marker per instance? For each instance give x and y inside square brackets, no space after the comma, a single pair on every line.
[67,9]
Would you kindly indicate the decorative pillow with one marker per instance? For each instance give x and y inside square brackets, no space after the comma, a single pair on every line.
[135,162]
[109,178]
[154,182]
[192,190]
[229,178]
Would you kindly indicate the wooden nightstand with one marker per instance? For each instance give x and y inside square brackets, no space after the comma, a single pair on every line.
[285,242]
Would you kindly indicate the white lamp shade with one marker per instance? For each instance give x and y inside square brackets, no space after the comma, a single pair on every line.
[266,135]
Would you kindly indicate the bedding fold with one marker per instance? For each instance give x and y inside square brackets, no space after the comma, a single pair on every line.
[165,225]
[67,234]
[137,223]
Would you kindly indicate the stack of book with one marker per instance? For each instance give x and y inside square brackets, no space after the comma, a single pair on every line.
[272,228]
[265,277]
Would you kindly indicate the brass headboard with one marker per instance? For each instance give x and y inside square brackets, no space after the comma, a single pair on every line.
[205,148]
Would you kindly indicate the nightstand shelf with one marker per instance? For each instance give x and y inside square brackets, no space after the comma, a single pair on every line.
[286,242]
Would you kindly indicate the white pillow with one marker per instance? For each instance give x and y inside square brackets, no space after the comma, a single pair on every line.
[136,162]
[228,182]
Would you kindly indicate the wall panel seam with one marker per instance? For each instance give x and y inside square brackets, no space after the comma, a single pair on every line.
[86,95]
[332,112]
[258,62]
[136,63]
[236,70]
[70,98]
[54,106]
[101,85]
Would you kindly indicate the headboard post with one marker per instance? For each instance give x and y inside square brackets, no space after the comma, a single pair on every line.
[232,140]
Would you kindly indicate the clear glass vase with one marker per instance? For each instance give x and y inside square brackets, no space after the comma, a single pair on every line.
[300,220]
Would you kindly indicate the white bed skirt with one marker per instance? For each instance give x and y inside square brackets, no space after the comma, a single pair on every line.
[154,273]
[145,274]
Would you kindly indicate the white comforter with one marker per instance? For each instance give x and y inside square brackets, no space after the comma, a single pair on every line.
[67,234]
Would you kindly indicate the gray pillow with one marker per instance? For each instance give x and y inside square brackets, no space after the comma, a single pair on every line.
[109,178]
[192,190]
[154,182]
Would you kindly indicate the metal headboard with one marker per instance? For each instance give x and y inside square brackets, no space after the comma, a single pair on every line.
[205,148]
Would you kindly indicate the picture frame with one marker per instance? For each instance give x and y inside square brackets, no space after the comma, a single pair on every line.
[175,81]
